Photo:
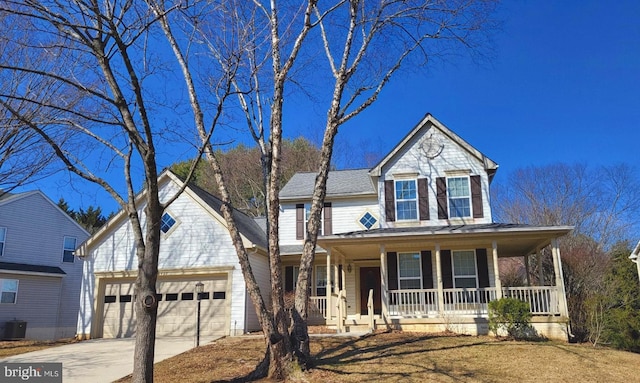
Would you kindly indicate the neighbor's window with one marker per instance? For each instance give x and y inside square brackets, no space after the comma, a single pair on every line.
[409,271]
[406,200]
[459,197]
[3,235]
[464,269]
[167,223]
[8,290]
[69,248]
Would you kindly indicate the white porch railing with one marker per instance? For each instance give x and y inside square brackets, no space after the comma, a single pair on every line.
[413,303]
[318,307]
[543,300]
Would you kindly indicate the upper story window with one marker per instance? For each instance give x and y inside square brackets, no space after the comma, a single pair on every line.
[3,236]
[368,220]
[68,248]
[307,215]
[8,290]
[409,271]
[406,200]
[459,197]
[303,213]
[464,269]
[167,223]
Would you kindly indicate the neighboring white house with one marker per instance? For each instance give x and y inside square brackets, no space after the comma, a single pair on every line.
[39,276]
[195,247]
[411,243]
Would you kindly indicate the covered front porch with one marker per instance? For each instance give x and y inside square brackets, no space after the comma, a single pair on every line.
[435,279]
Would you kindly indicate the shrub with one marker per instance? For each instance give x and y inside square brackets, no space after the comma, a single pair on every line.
[510,315]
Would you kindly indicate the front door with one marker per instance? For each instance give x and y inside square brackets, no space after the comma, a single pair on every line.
[370,280]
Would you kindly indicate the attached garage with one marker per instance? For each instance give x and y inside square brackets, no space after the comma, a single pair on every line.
[177,307]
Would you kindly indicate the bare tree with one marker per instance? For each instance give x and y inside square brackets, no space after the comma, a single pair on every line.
[23,157]
[87,81]
[364,45]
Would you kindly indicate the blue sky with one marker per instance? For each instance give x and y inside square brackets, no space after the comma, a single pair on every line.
[563,86]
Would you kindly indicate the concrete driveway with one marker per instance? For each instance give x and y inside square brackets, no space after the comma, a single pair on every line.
[103,360]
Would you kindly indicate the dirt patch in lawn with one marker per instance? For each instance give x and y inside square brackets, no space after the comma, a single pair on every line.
[17,347]
[411,357]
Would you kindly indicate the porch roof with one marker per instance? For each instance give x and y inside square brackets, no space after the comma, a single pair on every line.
[512,239]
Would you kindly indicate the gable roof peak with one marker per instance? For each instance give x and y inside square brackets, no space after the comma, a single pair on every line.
[490,166]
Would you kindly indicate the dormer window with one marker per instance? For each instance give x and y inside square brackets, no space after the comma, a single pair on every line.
[459,197]
[406,200]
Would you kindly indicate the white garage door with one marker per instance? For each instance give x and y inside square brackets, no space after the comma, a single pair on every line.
[177,307]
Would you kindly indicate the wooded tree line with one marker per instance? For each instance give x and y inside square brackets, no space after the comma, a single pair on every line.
[603,203]
[243,172]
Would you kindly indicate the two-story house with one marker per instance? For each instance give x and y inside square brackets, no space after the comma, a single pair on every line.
[411,244]
[39,275]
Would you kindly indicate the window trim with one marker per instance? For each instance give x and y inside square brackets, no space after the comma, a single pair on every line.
[468,197]
[475,268]
[65,249]
[398,200]
[3,240]
[173,227]
[15,298]
[401,278]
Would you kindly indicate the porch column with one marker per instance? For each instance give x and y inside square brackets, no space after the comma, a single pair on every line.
[336,270]
[328,287]
[526,269]
[496,270]
[540,272]
[557,268]
[343,274]
[383,283]
[439,281]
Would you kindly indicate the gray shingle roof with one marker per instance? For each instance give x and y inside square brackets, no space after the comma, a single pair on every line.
[7,266]
[246,225]
[339,183]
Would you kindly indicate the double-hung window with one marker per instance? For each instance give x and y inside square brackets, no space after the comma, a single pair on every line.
[307,216]
[8,290]
[69,248]
[459,197]
[406,200]
[464,269]
[3,236]
[409,271]
[321,281]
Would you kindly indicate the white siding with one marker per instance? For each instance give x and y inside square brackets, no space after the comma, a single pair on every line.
[410,160]
[35,233]
[260,268]
[345,214]
[197,240]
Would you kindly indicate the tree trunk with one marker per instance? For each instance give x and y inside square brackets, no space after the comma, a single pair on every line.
[146,303]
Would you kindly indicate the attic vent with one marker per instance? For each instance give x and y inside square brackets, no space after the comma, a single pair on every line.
[167,223]
[368,220]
